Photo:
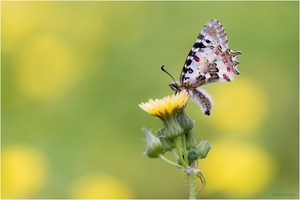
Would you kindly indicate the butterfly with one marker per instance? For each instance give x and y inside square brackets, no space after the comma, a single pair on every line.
[209,60]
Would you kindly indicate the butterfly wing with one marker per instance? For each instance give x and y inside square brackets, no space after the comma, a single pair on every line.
[209,60]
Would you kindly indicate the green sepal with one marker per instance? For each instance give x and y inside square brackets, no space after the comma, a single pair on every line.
[167,144]
[184,120]
[172,128]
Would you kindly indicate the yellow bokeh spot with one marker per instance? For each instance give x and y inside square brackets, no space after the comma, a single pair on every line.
[236,169]
[18,21]
[47,69]
[240,107]
[100,187]
[24,172]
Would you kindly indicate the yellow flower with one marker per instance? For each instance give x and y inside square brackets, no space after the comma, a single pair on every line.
[165,107]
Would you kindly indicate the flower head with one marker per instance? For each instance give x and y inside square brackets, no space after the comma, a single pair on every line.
[165,107]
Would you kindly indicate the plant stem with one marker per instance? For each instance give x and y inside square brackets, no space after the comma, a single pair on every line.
[192,185]
[185,153]
[170,162]
[180,154]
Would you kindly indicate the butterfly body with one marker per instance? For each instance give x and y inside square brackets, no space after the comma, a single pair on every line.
[208,61]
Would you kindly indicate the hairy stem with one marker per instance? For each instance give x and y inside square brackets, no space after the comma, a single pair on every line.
[192,185]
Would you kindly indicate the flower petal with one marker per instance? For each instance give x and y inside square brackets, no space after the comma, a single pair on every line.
[167,106]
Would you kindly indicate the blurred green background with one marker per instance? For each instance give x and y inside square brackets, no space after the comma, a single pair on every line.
[73,74]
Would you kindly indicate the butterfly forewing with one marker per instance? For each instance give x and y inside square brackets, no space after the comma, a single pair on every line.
[213,34]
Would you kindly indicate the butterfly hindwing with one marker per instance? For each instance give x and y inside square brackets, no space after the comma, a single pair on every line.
[203,99]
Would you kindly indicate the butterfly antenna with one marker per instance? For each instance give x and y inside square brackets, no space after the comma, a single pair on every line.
[162,68]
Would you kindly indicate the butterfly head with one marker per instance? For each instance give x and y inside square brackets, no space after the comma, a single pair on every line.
[175,86]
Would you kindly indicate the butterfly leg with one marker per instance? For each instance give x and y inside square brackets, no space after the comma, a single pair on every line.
[203,99]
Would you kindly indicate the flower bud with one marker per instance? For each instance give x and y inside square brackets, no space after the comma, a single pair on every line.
[203,148]
[167,144]
[184,120]
[192,156]
[190,140]
[172,128]
[153,147]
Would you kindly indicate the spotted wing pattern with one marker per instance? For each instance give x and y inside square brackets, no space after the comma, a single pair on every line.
[209,60]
